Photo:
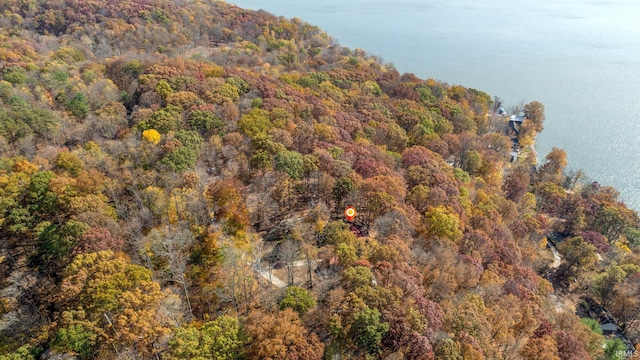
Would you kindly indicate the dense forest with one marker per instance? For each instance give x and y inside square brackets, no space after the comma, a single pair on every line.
[173,179]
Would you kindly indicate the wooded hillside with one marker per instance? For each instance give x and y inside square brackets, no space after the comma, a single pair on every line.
[173,176]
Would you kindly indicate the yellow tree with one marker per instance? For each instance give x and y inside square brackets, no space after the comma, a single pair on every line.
[152,136]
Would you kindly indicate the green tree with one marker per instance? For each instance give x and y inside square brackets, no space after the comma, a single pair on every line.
[442,222]
[255,122]
[611,221]
[41,198]
[11,128]
[347,254]
[206,123]
[472,162]
[79,105]
[133,67]
[69,162]
[357,276]
[261,160]
[550,196]
[5,90]
[593,324]
[577,256]
[367,330]
[163,120]
[22,353]
[164,89]
[371,88]
[310,164]
[223,93]
[342,188]
[337,232]
[189,138]
[264,141]
[633,236]
[448,349]
[55,244]
[69,54]
[24,119]
[182,159]
[418,197]
[77,339]
[615,349]
[42,122]
[15,74]
[220,339]
[291,162]
[604,284]
[298,299]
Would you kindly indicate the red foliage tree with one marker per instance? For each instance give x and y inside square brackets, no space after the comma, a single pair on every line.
[419,348]
[514,187]
[544,329]
[598,240]
[368,167]
[569,348]
[97,239]
[418,155]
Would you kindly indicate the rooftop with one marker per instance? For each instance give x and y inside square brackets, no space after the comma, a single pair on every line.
[517,118]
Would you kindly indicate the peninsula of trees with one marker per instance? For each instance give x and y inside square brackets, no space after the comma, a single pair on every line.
[173,176]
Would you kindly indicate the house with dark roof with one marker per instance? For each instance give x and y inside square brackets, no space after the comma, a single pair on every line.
[608,328]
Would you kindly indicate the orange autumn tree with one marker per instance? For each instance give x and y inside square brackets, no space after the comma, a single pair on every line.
[119,303]
[226,198]
[281,336]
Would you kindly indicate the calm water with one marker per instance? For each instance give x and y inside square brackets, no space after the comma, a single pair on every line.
[581,58]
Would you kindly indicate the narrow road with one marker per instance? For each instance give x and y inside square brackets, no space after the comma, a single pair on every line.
[274,280]
[270,278]
[560,305]
[557,260]
[300,263]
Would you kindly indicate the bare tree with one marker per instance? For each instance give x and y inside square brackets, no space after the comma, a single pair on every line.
[257,253]
[289,250]
[237,279]
[574,177]
[310,253]
[170,247]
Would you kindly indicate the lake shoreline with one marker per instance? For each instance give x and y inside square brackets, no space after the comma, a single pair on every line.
[572,58]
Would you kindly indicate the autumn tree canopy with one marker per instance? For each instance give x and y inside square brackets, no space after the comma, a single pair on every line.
[173,179]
